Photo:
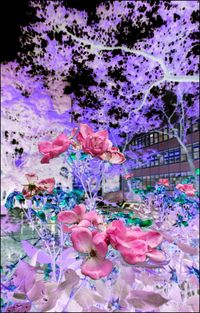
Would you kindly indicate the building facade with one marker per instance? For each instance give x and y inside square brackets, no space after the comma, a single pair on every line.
[170,161]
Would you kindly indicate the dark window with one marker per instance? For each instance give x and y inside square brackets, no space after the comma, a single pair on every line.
[195,152]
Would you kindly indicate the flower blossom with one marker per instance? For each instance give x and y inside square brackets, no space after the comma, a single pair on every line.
[35,186]
[113,155]
[53,149]
[134,244]
[128,176]
[98,145]
[164,182]
[95,265]
[78,217]
[188,189]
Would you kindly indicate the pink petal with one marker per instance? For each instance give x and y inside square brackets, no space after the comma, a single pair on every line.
[164,182]
[133,259]
[68,229]
[93,217]
[84,223]
[61,140]
[133,252]
[48,184]
[100,246]
[45,159]
[96,268]
[136,247]
[98,237]
[117,158]
[79,209]
[134,233]
[56,151]
[153,238]
[44,147]
[102,133]
[82,239]
[156,255]
[190,193]
[180,187]
[31,177]
[113,149]
[85,130]
[67,217]
[106,156]
[73,132]
[128,176]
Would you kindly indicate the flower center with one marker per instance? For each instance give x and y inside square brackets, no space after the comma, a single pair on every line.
[93,253]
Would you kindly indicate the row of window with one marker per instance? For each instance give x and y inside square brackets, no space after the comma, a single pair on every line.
[149,139]
[171,156]
[174,179]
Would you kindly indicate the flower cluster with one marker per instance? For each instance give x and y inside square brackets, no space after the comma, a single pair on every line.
[96,144]
[35,186]
[133,244]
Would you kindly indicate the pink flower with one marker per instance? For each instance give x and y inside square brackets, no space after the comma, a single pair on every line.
[98,145]
[113,155]
[137,245]
[116,230]
[46,184]
[93,143]
[35,186]
[188,189]
[164,182]
[53,149]
[95,266]
[128,176]
[78,217]
[134,244]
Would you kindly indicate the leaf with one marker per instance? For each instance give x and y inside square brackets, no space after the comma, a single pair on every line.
[146,299]
[67,257]
[71,280]
[24,276]
[187,249]
[19,296]
[152,264]
[37,291]
[42,257]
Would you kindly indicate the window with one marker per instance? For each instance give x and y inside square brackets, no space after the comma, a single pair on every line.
[183,155]
[165,135]
[161,159]
[189,148]
[195,127]
[160,137]
[170,132]
[177,155]
[139,142]
[195,152]
[151,139]
[147,140]
[166,158]
[156,137]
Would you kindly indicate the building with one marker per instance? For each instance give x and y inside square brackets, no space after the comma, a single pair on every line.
[170,161]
